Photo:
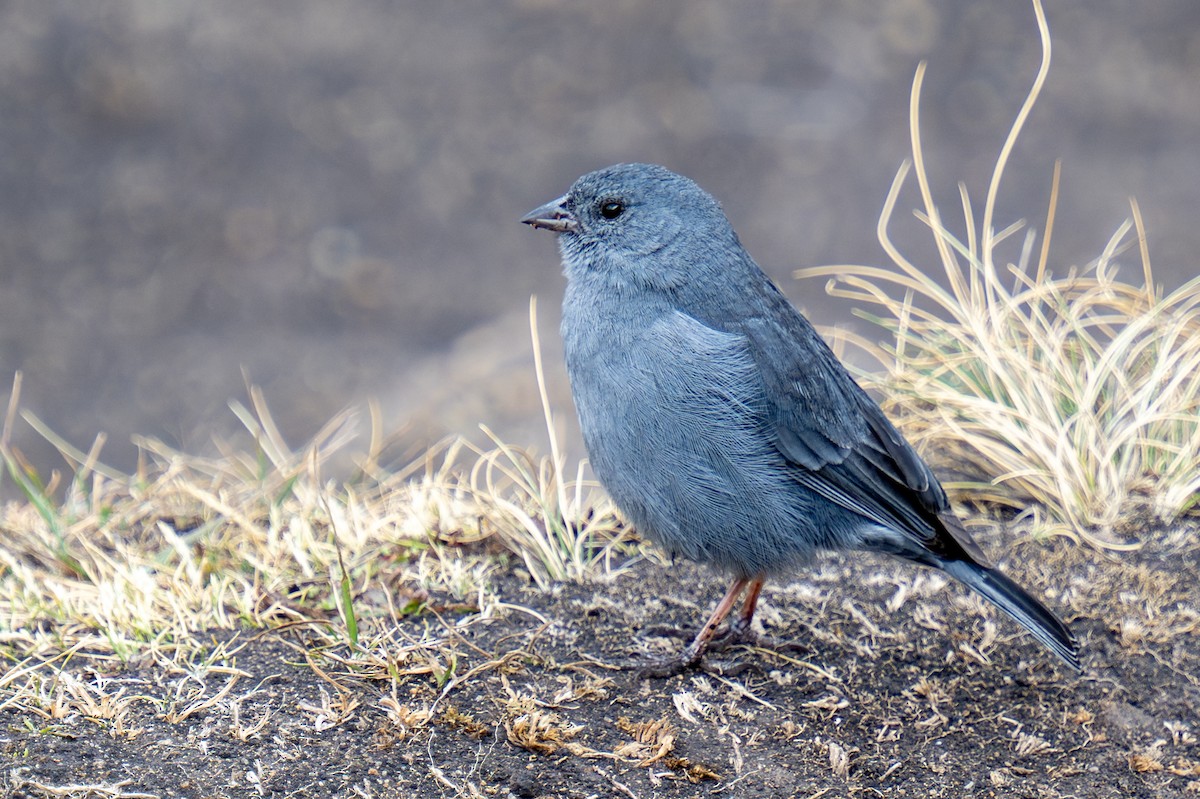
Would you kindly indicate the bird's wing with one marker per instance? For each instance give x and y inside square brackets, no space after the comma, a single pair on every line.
[844,445]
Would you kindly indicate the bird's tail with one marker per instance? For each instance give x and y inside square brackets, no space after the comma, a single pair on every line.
[1014,600]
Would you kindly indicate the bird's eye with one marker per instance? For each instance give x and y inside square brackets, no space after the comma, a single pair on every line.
[611,209]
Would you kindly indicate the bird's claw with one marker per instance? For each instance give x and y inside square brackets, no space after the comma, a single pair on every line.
[669,666]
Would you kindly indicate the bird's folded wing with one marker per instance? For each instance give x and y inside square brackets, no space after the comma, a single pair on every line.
[843,446]
[842,443]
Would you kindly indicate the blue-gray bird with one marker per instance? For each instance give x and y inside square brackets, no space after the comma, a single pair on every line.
[717,418]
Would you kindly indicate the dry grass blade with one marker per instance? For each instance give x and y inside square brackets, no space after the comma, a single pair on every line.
[1078,393]
[116,790]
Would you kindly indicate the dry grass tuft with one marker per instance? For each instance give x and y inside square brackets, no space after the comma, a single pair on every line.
[1147,759]
[1079,393]
[103,565]
[542,731]
[100,569]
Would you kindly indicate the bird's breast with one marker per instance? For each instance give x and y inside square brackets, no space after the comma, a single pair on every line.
[675,420]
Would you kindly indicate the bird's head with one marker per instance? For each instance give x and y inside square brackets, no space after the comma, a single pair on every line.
[635,222]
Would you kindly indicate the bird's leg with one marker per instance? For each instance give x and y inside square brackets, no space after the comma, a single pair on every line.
[740,632]
[695,651]
[740,629]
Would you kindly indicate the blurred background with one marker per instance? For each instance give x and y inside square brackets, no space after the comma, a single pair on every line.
[323,196]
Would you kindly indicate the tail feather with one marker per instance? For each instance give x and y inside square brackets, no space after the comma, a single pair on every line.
[1014,600]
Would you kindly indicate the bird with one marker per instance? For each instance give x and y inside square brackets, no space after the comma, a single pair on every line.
[718,419]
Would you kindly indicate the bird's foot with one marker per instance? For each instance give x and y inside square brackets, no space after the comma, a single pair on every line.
[671,665]
[734,634]
[740,634]
[686,660]
[667,667]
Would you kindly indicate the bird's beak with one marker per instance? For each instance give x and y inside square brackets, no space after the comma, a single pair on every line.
[552,216]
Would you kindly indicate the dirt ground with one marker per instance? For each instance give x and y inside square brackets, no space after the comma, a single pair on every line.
[901,685]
